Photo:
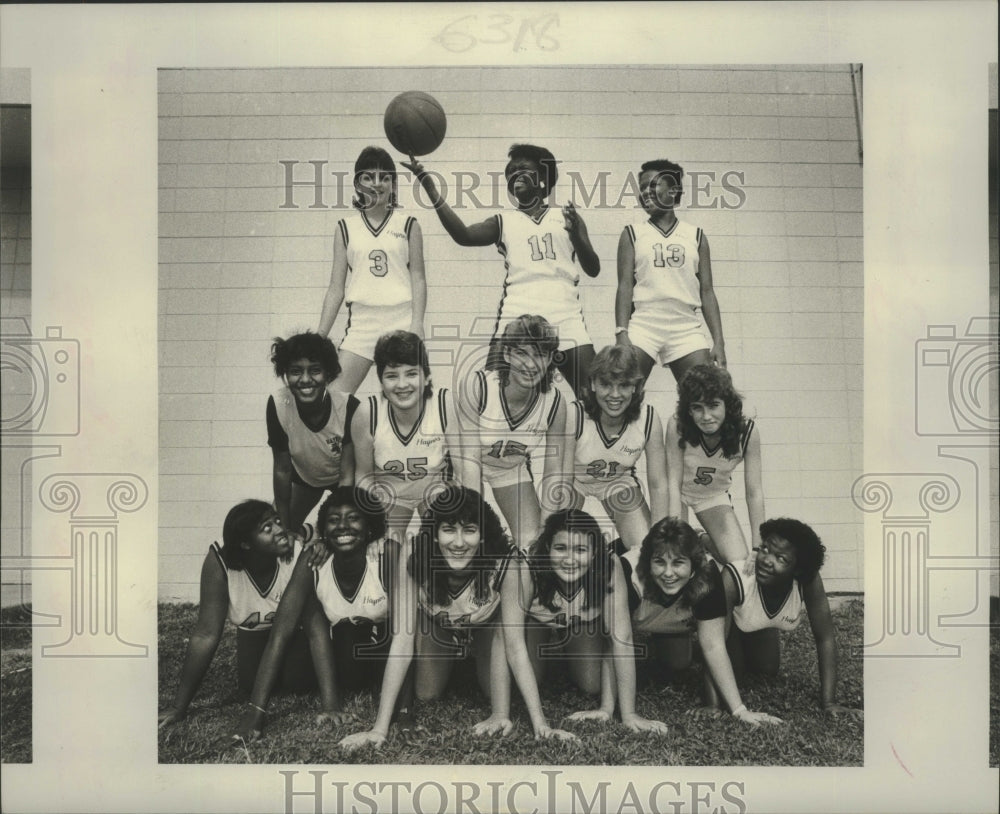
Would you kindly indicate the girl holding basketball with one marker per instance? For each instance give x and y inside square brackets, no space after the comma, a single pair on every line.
[567,598]
[343,606]
[243,580]
[771,592]
[514,424]
[446,603]
[676,590]
[402,436]
[706,440]
[543,256]
[613,428]
[384,253]
[665,280]
[308,425]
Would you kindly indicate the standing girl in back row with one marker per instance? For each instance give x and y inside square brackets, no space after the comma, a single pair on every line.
[665,281]
[384,252]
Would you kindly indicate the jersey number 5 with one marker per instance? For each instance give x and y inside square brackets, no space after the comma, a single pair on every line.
[380,263]
[536,247]
[673,256]
[703,475]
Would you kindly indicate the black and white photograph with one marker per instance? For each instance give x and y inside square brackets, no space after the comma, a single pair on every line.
[412,407]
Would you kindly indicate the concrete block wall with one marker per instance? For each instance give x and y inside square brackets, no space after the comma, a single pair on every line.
[243,257]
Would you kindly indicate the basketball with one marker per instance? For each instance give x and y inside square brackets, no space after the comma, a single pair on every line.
[415,123]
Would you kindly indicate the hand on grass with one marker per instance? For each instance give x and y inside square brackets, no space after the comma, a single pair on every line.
[637,723]
[170,716]
[546,732]
[333,717]
[838,711]
[361,739]
[756,718]
[494,725]
[599,715]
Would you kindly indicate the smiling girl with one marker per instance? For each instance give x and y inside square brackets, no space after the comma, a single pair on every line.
[402,436]
[446,604]
[308,425]
[613,428]
[568,599]
[676,590]
[384,253]
[514,424]
[243,580]
[343,607]
[706,440]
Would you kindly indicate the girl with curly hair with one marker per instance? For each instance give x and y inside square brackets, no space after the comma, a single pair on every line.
[568,599]
[446,603]
[613,427]
[707,438]
[772,592]
[676,590]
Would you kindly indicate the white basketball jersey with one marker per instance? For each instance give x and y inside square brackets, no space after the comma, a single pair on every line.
[666,266]
[253,606]
[508,443]
[465,609]
[370,602]
[602,460]
[569,611]
[315,455]
[708,473]
[378,258]
[542,272]
[409,463]
[751,614]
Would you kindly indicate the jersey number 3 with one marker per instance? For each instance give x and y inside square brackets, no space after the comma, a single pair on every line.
[380,263]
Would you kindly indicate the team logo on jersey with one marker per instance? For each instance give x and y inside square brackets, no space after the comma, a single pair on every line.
[336,444]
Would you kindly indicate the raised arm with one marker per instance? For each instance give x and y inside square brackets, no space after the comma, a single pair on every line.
[753,481]
[656,471]
[515,597]
[675,470]
[485,233]
[418,280]
[213,605]
[334,296]
[403,616]
[709,302]
[626,282]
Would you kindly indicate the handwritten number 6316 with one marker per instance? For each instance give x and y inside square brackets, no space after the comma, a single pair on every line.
[498,29]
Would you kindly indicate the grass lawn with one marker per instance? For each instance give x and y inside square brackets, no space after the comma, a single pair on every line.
[808,738]
[15,685]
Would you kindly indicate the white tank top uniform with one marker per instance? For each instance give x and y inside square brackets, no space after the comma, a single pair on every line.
[410,465]
[465,609]
[508,444]
[708,474]
[315,455]
[603,464]
[370,602]
[672,617]
[750,611]
[543,274]
[253,606]
[378,258]
[666,269]
[569,611]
